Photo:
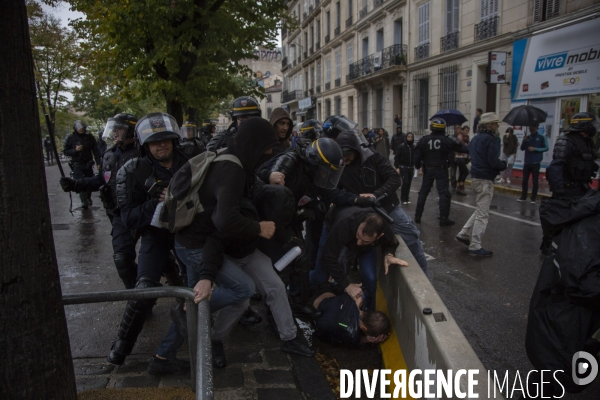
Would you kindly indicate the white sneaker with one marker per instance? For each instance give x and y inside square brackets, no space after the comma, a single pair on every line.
[501,180]
[405,202]
[508,181]
[408,202]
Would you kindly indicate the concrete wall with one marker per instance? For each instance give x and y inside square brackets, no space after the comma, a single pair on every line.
[423,341]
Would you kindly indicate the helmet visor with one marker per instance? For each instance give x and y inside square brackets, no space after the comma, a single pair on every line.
[155,127]
[79,126]
[345,124]
[188,131]
[115,131]
[328,175]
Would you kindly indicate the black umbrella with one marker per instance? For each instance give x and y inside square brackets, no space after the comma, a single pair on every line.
[525,116]
[452,117]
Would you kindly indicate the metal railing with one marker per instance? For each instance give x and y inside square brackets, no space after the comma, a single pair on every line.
[487,28]
[291,95]
[284,61]
[327,85]
[422,52]
[318,45]
[338,82]
[312,50]
[318,88]
[450,41]
[349,22]
[326,39]
[305,55]
[377,3]
[311,8]
[364,11]
[390,56]
[336,31]
[198,326]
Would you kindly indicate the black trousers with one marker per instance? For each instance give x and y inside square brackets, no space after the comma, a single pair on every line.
[440,176]
[530,169]
[407,174]
[463,170]
[453,168]
[80,170]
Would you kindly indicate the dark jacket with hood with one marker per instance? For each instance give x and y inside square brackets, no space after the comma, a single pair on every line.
[88,155]
[485,156]
[225,185]
[405,154]
[371,172]
[397,140]
[285,143]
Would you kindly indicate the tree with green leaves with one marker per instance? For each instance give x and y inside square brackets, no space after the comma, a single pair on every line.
[188,51]
[56,56]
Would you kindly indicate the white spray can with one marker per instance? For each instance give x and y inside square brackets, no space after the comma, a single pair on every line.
[288,258]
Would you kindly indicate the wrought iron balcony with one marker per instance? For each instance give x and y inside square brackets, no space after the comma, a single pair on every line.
[336,31]
[317,3]
[338,82]
[327,85]
[291,96]
[299,59]
[311,91]
[311,8]
[284,62]
[295,63]
[318,88]
[306,93]
[422,51]
[363,12]
[377,3]
[349,22]
[487,28]
[312,50]
[450,41]
[305,14]
[318,44]
[305,55]
[390,56]
[326,39]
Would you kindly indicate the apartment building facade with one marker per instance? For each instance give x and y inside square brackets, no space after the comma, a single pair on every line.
[373,59]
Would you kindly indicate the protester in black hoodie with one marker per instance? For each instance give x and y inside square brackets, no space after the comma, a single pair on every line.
[405,165]
[225,186]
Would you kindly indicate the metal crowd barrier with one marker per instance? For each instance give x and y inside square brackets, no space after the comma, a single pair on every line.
[198,325]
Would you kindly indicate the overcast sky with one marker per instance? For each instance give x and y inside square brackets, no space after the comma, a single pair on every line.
[62,12]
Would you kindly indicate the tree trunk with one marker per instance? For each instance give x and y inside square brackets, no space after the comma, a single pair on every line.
[175,108]
[36,356]
[192,114]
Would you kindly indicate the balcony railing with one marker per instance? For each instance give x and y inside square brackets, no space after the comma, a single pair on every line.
[291,95]
[450,41]
[318,45]
[363,12]
[311,91]
[306,93]
[311,8]
[318,88]
[349,22]
[305,55]
[336,31]
[327,85]
[487,28]
[305,14]
[422,51]
[326,39]
[338,82]
[284,62]
[311,50]
[390,56]
[377,3]
[295,63]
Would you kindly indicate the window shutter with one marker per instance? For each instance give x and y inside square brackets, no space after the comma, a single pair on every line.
[552,9]
[449,16]
[455,21]
[427,22]
[537,10]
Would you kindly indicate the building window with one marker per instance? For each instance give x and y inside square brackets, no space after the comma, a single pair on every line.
[545,9]
[318,77]
[338,64]
[422,50]
[448,86]
[328,70]
[450,41]
[488,25]
[327,23]
[312,77]
[364,109]
[421,101]
[327,108]
[338,106]
[350,52]
[269,111]
[379,108]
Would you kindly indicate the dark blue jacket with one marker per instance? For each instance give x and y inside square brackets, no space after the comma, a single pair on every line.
[485,156]
[541,145]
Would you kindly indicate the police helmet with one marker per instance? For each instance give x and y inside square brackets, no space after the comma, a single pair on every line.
[437,124]
[156,127]
[120,127]
[584,122]
[311,129]
[79,125]
[334,124]
[189,130]
[245,106]
[326,155]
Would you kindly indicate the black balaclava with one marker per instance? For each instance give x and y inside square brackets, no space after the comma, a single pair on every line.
[254,136]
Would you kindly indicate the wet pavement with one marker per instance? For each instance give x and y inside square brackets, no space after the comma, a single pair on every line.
[257,368]
[489,297]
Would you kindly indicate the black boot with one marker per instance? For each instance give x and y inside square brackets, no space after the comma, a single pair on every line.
[297,346]
[250,317]
[446,222]
[126,268]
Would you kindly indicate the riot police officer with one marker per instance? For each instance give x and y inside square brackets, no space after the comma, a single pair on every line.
[141,185]
[573,164]
[190,143]
[81,147]
[119,130]
[432,152]
[207,131]
[334,125]
[242,108]
[311,129]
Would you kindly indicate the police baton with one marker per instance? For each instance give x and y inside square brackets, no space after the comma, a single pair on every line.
[380,210]
[51,131]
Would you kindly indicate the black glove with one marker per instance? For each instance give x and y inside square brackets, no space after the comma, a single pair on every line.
[68,184]
[365,201]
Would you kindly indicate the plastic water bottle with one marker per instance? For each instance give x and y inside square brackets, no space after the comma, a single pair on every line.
[288,258]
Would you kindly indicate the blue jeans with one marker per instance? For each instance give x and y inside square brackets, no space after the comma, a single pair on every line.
[234,285]
[407,230]
[368,270]
[169,345]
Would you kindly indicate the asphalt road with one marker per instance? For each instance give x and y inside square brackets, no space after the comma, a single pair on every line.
[488,297]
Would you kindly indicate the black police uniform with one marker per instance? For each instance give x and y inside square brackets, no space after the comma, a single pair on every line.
[49,150]
[82,161]
[220,140]
[123,241]
[432,152]
[192,147]
[137,205]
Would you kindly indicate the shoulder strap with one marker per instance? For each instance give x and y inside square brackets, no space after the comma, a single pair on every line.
[228,157]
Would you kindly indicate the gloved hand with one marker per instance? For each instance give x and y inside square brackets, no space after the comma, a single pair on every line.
[365,201]
[68,184]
